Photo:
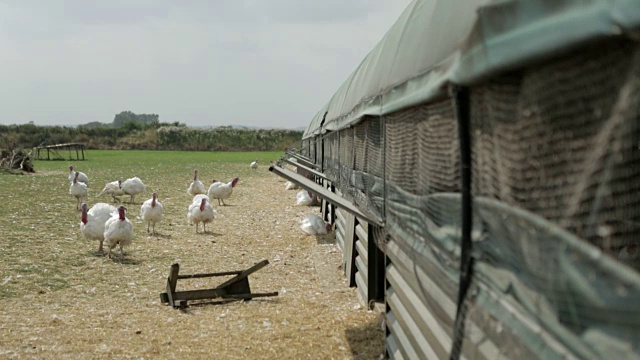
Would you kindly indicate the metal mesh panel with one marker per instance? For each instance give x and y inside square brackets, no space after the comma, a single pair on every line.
[402,149]
[312,149]
[346,163]
[359,164]
[421,159]
[331,156]
[359,145]
[422,207]
[556,161]
[438,150]
[363,165]
[319,155]
[564,144]
[375,148]
[373,173]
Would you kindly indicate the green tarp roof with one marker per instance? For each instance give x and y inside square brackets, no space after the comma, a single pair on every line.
[439,42]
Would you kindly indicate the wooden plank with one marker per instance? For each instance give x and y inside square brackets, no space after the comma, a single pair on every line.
[245,273]
[303,159]
[199,294]
[205,294]
[305,168]
[349,254]
[195,276]
[324,193]
[172,280]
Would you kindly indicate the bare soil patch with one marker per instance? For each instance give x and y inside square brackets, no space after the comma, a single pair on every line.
[60,300]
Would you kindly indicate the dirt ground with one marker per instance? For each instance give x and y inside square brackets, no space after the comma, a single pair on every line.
[111,308]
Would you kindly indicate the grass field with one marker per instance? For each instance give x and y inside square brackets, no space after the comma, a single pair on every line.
[60,299]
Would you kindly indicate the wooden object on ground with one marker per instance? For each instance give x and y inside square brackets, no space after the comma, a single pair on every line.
[235,288]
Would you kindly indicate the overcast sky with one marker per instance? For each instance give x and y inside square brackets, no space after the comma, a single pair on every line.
[271,63]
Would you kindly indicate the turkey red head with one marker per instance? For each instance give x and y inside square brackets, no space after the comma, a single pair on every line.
[70,168]
[75,178]
[214,181]
[121,212]
[327,227]
[234,182]
[195,174]
[155,196]
[202,204]
[120,184]
[84,213]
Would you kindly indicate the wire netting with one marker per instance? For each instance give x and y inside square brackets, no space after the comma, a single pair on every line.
[561,140]
[555,151]
[555,185]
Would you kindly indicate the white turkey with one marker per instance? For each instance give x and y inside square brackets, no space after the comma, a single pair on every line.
[304,198]
[221,191]
[133,187]
[79,190]
[118,231]
[82,177]
[114,189]
[254,165]
[92,221]
[201,212]
[151,212]
[198,198]
[290,185]
[313,224]
[196,187]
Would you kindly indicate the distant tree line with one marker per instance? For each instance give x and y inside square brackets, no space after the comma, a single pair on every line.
[150,135]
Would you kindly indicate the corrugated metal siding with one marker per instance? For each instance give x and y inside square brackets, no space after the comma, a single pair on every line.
[422,307]
[340,224]
[397,333]
[392,347]
[361,241]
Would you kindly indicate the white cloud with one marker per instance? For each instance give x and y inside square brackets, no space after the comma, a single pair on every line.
[258,63]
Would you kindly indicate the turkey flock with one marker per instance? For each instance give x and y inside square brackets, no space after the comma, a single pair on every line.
[109,225]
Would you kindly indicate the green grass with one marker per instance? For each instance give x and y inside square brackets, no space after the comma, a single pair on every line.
[40,241]
[116,158]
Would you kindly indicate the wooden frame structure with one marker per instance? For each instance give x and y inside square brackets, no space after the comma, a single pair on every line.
[53,151]
[235,288]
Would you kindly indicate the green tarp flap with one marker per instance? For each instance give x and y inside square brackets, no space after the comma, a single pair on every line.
[438,42]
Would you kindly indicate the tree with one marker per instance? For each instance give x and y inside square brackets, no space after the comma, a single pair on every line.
[128,116]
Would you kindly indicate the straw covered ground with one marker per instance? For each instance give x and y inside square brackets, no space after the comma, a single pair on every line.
[60,299]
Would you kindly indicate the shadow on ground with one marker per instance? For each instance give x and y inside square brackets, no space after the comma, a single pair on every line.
[326,239]
[366,342]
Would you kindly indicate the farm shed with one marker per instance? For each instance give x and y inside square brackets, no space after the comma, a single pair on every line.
[482,167]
